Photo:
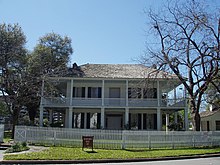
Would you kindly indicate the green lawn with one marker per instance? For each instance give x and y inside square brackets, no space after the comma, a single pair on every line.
[64,153]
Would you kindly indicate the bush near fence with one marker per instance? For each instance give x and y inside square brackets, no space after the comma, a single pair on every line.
[116,139]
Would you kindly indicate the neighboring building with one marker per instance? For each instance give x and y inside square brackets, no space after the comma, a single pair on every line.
[113,96]
[210,120]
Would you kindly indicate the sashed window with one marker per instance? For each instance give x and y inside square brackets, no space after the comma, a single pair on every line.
[94,92]
[79,92]
[150,93]
[134,92]
[217,125]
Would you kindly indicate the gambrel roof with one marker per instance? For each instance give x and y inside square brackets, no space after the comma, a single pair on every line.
[130,71]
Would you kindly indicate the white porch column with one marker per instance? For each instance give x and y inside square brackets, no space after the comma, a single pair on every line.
[66,118]
[70,116]
[175,117]
[103,92]
[158,119]
[175,95]
[142,121]
[158,94]
[167,121]
[71,92]
[126,93]
[41,116]
[186,122]
[126,116]
[50,116]
[85,119]
[102,118]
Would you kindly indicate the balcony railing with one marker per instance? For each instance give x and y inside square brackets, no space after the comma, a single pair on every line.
[112,102]
[56,101]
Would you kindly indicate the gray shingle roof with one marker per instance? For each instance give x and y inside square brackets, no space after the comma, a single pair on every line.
[208,113]
[122,71]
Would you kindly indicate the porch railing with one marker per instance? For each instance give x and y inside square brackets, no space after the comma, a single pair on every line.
[116,139]
[113,102]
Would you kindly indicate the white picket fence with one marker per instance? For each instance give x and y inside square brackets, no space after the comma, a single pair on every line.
[116,139]
[1,132]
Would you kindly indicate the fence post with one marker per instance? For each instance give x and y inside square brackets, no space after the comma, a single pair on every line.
[193,139]
[172,140]
[25,134]
[149,140]
[1,132]
[123,145]
[54,137]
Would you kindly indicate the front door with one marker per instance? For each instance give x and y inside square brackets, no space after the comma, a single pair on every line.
[114,122]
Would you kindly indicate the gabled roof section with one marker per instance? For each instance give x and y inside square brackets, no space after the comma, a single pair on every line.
[130,71]
[208,113]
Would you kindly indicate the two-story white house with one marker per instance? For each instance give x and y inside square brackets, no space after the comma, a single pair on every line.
[113,96]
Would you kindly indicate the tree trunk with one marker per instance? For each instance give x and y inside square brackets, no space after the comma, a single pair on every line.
[196,115]
[14,123]
[197,120]
[32,114]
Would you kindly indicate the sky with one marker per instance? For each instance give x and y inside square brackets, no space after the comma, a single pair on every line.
[102,31]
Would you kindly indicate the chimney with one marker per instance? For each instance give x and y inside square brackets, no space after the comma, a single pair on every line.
[75,66]
[154,66]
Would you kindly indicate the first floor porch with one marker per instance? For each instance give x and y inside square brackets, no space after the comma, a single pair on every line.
[114,118]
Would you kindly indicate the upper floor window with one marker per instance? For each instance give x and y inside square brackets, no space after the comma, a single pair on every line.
[114,92]
[134,92]
[150,93]
[79,92]
[94,92]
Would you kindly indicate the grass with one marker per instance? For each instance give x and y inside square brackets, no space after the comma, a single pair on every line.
[7,136]
[64,153]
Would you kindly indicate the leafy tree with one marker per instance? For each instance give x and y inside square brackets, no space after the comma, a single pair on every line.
[12,64]
[52,53]
[188,35]
[50,57]
[3,109]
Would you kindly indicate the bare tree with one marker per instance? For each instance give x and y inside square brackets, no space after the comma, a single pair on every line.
[188,34]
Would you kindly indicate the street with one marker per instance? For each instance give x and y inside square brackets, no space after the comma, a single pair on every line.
[202,161]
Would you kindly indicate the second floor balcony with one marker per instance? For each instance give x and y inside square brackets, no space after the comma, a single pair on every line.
[112,102]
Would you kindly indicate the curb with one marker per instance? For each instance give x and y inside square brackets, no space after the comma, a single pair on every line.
[104,160]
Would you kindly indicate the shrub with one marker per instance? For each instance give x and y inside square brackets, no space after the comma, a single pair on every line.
[24,144]
[18,147]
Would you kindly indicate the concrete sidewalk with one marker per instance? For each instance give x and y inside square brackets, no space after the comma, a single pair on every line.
[1,155]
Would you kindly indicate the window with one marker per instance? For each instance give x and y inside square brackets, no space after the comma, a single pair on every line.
[79,92]
[217,125]
[114,92]
[150,93]
[134,92]
[208,127]
[94,92]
